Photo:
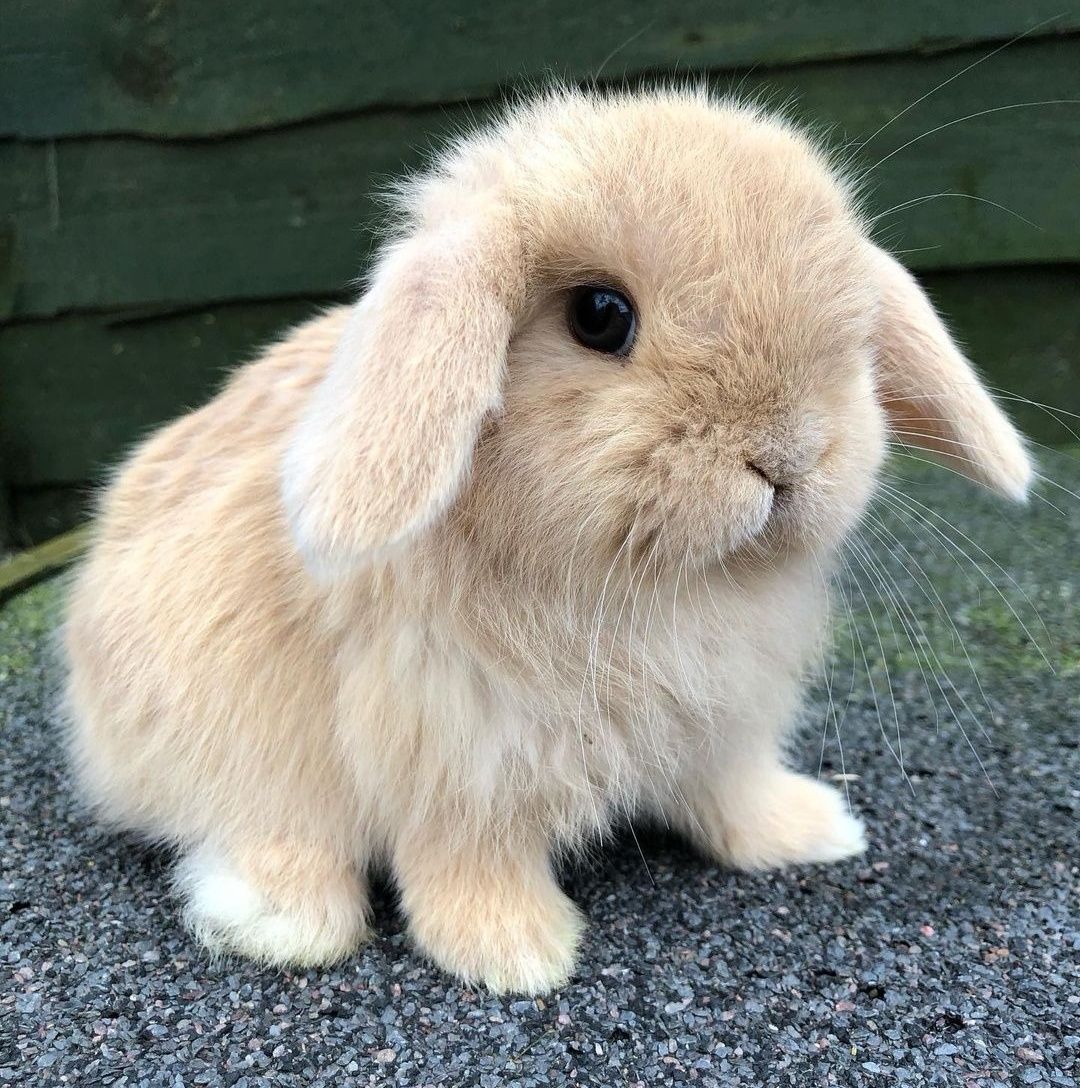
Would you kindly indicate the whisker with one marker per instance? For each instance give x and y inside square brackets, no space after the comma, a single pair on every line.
[914,506]
[934,660]
[919,200]
[906,449]
[590,671]
[631,696]
[1051,410]
[618,49]
[831,712]
[971,117]
[866,661]
[956,75]
[898,753]
[1061,487]
[852,632]
[937,603]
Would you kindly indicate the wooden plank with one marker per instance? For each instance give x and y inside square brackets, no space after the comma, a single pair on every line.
[123,222]
[1021,327]
[119,222]
[41,513]
[79,390]
[7,521]
[203,68]
[8,270]
[25,568]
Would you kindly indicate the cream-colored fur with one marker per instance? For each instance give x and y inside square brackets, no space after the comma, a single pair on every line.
[431,584]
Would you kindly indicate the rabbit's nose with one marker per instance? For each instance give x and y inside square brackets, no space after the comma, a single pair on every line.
[754,467]
[785,460]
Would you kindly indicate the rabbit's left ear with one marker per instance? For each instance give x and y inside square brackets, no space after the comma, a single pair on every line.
[931,394]
[387,439]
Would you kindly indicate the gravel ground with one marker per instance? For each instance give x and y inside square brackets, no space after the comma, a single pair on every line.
[949,955]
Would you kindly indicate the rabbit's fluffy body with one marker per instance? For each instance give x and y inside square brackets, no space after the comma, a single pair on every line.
[431,585]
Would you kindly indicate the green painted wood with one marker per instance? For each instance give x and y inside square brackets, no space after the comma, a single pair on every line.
[1021,327]
[7,522]
[28,567]
[201,67]
[119,222]
[38,514]
[79,390]
[9,275]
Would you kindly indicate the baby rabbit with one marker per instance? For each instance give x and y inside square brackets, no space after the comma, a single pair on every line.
[532,539]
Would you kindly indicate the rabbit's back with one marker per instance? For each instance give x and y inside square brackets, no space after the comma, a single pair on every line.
[200,686]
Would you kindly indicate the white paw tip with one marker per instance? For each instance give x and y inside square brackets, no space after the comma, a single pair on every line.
[216,895]
[227,913]
[847,837]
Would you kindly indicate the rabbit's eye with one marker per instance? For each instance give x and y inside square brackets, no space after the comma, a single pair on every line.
[603,319]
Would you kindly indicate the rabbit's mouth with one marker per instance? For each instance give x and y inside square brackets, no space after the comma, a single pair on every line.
[783,519]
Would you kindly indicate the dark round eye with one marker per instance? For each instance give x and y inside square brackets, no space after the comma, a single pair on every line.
[602,318]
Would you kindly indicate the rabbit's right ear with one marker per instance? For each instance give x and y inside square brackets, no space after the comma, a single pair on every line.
[387,439]
[931,393]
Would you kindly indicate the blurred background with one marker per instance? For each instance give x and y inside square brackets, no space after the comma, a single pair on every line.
[182,179]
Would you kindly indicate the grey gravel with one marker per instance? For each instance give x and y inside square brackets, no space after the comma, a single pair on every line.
[949,955]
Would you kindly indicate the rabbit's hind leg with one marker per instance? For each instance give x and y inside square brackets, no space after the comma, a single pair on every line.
[284,903]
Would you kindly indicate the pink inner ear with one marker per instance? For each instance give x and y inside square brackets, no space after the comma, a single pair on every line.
[931,393]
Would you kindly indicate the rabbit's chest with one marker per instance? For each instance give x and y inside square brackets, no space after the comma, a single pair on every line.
[695,658]
[647,699]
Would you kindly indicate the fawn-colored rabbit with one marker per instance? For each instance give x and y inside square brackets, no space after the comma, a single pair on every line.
[532,539]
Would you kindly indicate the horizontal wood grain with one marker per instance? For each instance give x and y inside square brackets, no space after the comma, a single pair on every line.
[80,390]
[203,68]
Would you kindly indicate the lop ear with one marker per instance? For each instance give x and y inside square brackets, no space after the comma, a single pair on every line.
[931,394]
[387,438]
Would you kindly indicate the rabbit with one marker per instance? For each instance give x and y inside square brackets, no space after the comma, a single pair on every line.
[532,540]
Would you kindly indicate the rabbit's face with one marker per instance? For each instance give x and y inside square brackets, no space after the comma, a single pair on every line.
[691,375]
[648,326]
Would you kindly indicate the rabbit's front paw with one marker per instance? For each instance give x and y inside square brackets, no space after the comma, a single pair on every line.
[784,819]
[523,946]
[508,927]
[283,907]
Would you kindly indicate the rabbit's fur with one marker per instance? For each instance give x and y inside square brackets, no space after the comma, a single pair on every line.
[432,585]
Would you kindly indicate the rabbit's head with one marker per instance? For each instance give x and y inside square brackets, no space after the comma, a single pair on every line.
[649,325]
